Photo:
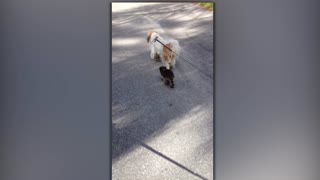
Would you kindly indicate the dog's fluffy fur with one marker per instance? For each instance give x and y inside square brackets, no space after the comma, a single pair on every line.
[168,57]
[167,76]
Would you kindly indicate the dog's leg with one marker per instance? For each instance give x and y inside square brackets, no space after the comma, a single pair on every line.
[174,63]
[170,66]
[164,62]
[157,57]
[167,65]
[153,53]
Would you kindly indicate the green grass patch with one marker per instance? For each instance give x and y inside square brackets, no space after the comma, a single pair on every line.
[207,5]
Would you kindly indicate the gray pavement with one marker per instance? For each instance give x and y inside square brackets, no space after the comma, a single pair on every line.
[159,132]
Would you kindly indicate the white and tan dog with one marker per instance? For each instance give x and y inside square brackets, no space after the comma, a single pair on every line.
[168,57]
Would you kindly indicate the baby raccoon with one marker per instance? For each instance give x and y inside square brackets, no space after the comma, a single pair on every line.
[167,76]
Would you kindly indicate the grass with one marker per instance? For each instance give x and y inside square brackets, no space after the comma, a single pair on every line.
[207,5]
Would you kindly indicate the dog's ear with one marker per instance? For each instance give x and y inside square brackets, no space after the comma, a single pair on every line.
[149,36]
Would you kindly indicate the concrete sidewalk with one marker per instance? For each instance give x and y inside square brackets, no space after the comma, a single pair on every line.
[158,132]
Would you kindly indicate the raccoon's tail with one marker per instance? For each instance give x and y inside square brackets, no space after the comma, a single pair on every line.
[171,83]
[166,81]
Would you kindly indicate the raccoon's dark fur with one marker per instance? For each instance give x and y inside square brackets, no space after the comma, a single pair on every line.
[167,76]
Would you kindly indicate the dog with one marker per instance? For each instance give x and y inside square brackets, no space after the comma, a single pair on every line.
[168,53]
[167,76]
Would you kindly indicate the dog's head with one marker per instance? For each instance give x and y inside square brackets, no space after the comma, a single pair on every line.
[150,35]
